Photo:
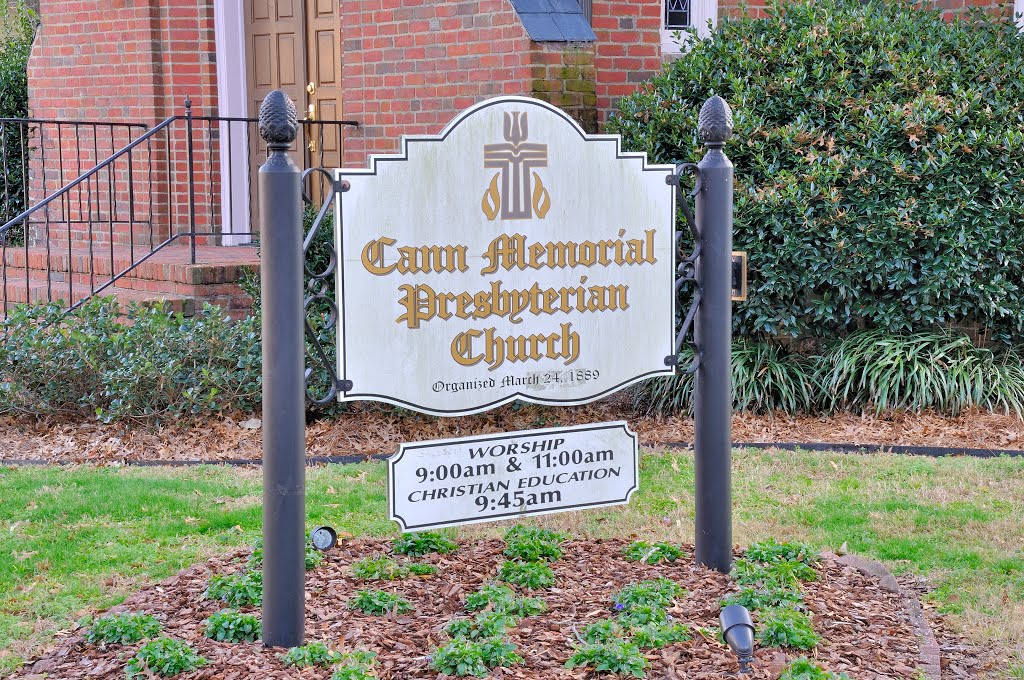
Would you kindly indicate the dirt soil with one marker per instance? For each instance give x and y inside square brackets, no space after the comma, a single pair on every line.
[865,629]
[368,430]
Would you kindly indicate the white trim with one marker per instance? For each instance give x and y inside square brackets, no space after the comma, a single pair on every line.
[1018,12]
[232,102]
[700,12]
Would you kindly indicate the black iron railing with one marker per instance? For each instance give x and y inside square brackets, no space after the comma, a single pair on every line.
[109,196]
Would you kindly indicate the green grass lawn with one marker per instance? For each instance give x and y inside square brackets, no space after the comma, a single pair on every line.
[76,540]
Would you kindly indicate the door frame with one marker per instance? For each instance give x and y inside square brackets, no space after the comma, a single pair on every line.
[232,102]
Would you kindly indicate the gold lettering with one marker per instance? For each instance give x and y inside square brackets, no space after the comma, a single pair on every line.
[564,344]
[373,256]
[414,259]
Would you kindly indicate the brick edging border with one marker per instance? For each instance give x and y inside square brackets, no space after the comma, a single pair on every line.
[929,652]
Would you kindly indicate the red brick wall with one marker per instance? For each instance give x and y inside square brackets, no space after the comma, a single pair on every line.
[409,66]
[122,60]
[628,48]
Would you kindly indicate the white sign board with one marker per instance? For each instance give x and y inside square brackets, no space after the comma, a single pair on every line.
[511,257]
[513,474]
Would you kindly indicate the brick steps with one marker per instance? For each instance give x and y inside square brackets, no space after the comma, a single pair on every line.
[167,277]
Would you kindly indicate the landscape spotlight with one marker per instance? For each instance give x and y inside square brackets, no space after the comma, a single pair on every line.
[738,631]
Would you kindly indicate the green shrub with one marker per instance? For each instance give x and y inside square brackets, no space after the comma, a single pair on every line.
[639,615]
[379,602]
[532,575]
[311,654]
[804,669]
[503,600]
[165,657]
[785,627]
[314,558]
[771,550]
[481,627]
[355,665]
[642,551]
[616,656]
[244,589]
[17,29]
[230,625]
[160,366]
[418,545]
[122,629]
[467,657]
[880,157]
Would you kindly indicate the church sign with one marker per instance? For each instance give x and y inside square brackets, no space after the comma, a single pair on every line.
[511,257]
[499,476]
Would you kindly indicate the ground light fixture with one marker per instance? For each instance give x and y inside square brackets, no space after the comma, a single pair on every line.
[738,631]
[323,538]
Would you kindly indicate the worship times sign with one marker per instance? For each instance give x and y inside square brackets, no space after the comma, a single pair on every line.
[515,474]
[511,257]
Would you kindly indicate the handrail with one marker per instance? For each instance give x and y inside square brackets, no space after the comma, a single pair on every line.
[86,175]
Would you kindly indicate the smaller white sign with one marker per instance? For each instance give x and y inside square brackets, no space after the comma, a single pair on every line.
[449,482]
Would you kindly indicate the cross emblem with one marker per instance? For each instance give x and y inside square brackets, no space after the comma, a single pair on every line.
[515,159]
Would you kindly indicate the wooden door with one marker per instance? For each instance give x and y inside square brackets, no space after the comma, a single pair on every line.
[323,87]
[295,46]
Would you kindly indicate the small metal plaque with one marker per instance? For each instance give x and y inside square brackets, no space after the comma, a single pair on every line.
[513,474]
[739,276]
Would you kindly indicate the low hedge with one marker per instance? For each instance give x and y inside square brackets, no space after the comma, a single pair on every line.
[156,366]
[879,155]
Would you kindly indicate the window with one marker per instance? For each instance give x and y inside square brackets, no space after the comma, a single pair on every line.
[679,14]
[1018,9]
[588,9]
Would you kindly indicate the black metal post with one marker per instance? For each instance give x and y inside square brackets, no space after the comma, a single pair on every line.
[284,398]
[713,334]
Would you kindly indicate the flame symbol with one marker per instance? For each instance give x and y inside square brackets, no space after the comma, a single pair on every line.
[541,197]
[491,202]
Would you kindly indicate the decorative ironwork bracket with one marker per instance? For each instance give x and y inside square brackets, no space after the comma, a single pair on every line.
[686,271]
[321,295]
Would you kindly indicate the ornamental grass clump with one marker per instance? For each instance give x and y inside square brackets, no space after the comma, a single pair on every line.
[880,160]
[122,629]
[163,657]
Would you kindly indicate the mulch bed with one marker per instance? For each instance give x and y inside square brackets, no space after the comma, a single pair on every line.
[865,629]
[368,430]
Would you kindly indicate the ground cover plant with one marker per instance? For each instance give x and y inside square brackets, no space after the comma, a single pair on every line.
[80,539]
[642,551]
[311,654]
[122,629]
[379,602]
[879,153]
[164,657]
[242,589]
[420,544]
[231,625]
